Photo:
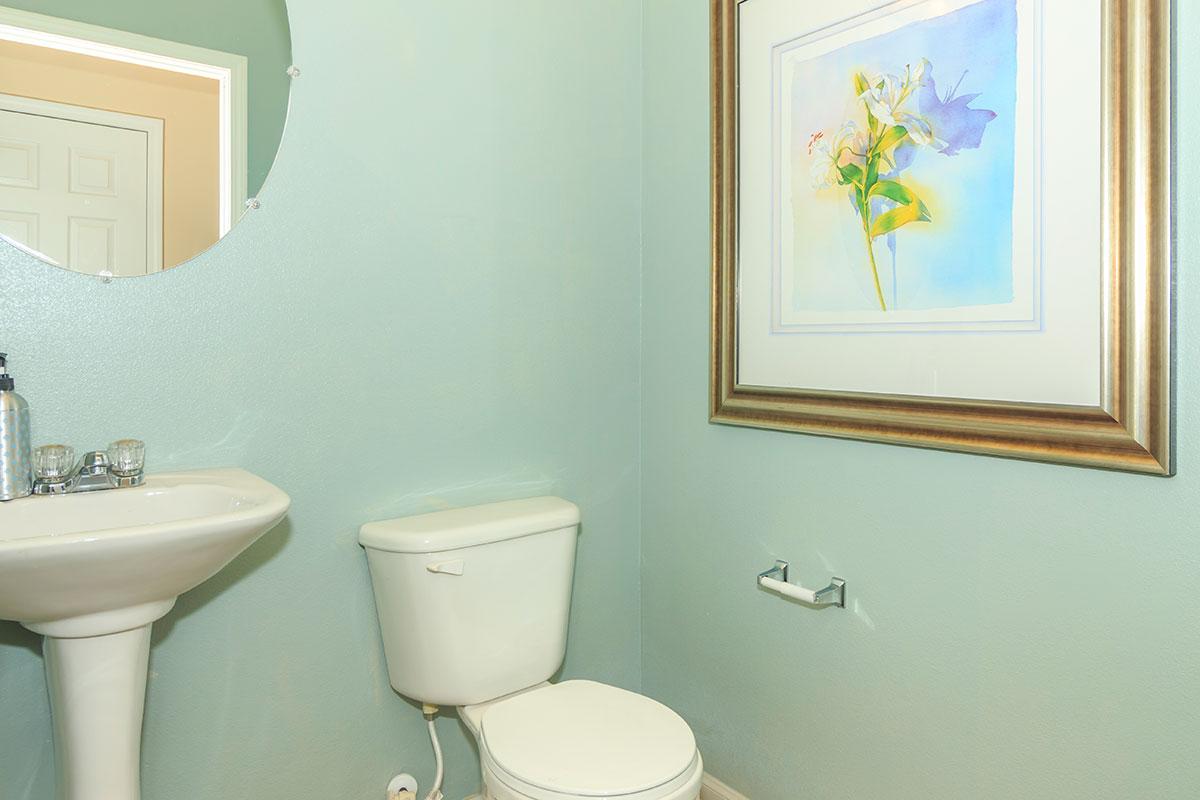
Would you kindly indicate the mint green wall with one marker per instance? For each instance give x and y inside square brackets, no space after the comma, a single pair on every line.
[437,302]
[1016,630]
[257,29]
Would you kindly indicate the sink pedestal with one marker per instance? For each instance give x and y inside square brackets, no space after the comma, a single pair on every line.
[97,696]
[96,676]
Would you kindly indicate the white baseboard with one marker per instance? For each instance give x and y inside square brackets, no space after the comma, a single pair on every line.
[713,789]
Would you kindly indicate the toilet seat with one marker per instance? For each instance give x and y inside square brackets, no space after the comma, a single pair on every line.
[582,739]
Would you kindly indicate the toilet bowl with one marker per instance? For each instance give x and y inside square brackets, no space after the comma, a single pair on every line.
[473,606]
[582,739]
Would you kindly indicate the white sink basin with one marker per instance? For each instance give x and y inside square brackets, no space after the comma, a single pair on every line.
[74,565]
[92,572]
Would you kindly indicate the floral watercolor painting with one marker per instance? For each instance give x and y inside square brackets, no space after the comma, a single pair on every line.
[901,169]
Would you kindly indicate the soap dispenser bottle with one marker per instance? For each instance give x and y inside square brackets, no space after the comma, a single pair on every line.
[16,469]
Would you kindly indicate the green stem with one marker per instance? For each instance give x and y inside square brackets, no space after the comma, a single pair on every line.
[865,212]
[866,218]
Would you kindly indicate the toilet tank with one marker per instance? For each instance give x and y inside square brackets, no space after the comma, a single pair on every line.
[473,602]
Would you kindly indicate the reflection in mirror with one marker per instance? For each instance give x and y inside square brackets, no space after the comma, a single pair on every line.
[132,132]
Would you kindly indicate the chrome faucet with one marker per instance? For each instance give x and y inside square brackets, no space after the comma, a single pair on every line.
[122,466]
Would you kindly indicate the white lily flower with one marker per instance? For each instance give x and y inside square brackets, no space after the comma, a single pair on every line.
[884,97]
[918,128]
[887,96]
[824,166]
[830,154]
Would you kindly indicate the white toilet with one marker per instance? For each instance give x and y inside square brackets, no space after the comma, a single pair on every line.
[473,608]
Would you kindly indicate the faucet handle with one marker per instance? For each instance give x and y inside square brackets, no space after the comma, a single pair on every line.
[53,463]
[127,457]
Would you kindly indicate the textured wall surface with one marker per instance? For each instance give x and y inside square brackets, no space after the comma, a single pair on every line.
[257,29]
[436,304]
[1016,630]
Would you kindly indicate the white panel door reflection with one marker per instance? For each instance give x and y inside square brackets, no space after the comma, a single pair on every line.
[82,187]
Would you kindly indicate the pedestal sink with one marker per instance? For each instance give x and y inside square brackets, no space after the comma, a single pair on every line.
[91,572]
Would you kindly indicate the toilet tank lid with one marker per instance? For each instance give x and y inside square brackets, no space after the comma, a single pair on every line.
[466,527]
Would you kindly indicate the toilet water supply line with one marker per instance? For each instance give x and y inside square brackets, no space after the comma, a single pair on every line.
[430,712]
[404,786]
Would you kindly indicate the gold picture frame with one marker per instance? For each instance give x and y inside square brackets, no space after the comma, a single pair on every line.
[1131,428]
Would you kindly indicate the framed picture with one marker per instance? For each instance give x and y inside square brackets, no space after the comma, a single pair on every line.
[946,223]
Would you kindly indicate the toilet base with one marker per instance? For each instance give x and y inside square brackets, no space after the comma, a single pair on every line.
[689,789]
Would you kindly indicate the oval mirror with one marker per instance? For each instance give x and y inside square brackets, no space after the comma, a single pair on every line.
[133,133]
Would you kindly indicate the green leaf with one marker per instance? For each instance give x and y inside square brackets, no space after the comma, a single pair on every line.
[851,173]
[892,137]
[895,191]
[872,171]
[898,217]
[909,207]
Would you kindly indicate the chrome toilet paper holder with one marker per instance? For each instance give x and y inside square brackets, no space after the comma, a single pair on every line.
[776,580]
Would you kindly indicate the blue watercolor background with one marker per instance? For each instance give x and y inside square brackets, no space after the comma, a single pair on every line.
[964,257]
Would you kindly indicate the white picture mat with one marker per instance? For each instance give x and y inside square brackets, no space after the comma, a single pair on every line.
[1060,363]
